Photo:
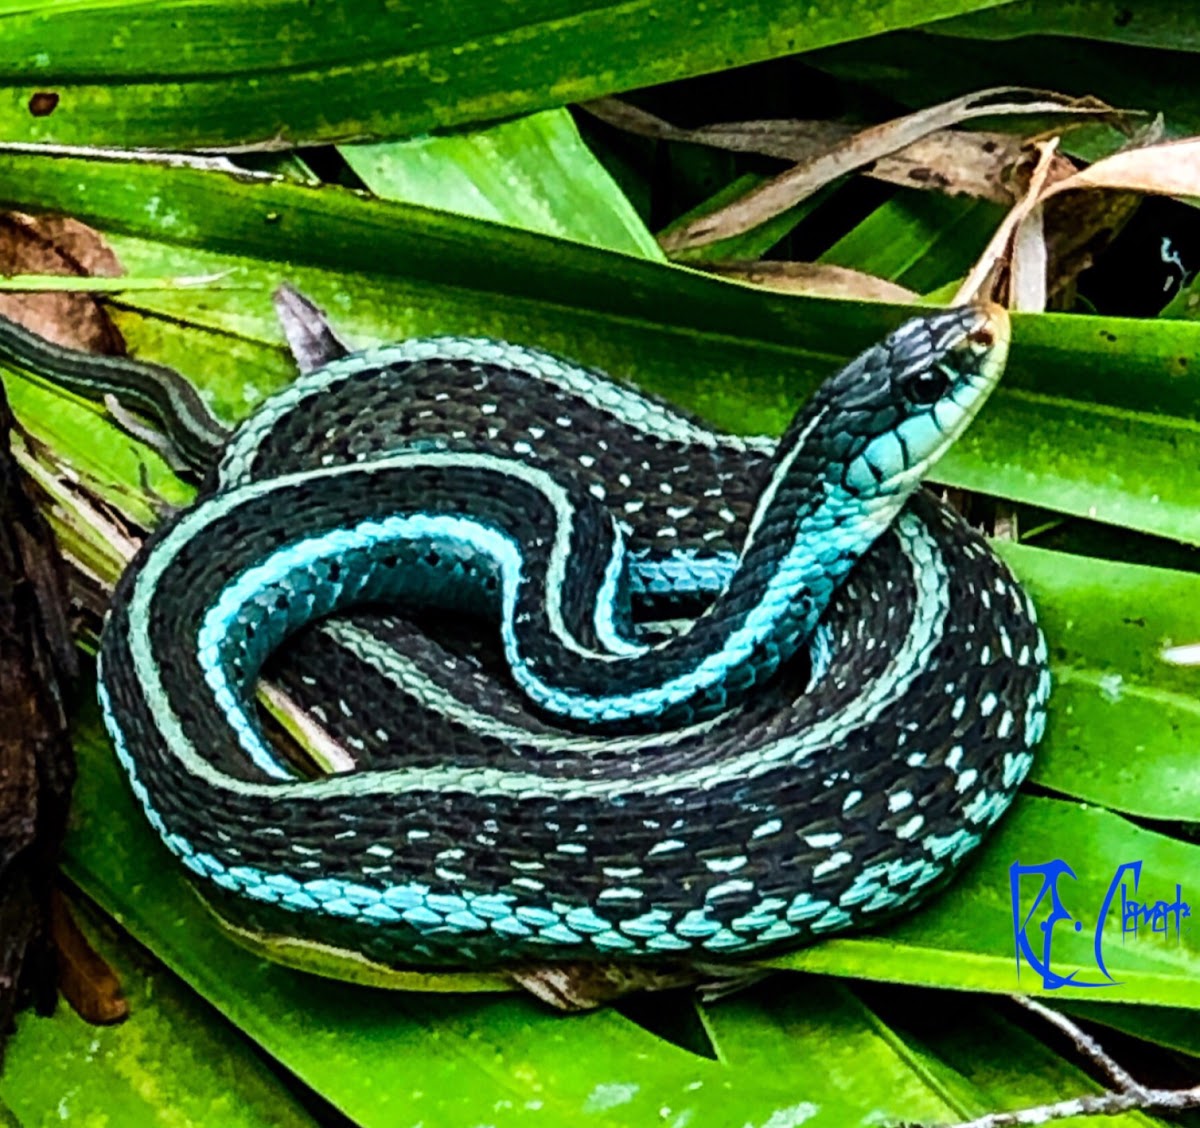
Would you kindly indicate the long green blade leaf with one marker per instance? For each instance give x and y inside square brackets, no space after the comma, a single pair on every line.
[193,73]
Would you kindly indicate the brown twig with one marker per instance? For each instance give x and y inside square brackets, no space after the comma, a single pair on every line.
[1128,1094]
[1102,1104]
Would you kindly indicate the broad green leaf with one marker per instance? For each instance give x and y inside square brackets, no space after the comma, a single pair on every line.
[1149,23]
[770,350]
[919,70]
[1171,1027]
[1104,622]
[1096,417]
[534,173]
[1185,304]
[1124,724]
[1130,367]
[386,1058]
[64,423]
[191,73]
[798,1048]
[802,1049]
[813,1026]
[920,240]
[965,938]
[1004,1067]
[172,1064]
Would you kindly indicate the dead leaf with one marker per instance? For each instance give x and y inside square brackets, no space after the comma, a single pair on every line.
[951,161]
[813,278]
[863,148]
[1031,256]
[1170,168]
[1027,285]
[585,986]
[985,277]
[58,245]
[84,977]
[957,163]
[310,334]
[1078,228]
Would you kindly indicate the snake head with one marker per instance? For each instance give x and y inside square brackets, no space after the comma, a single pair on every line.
[893,411]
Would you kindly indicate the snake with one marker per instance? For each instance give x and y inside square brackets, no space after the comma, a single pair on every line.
[608,684]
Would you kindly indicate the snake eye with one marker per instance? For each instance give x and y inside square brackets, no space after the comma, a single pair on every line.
[926,386]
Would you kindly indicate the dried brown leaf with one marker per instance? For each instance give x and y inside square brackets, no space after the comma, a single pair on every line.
[1056,230]
[1171,168]
[789,140]
[310,335]
[863,148]
[84,977]
[1078,228]
[951,161]
[956,163]
[585,986]
[1027,275]
[58,245]
[813,278]
[988,277]
[36,763]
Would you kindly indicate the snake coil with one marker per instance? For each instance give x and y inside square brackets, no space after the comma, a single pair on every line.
[749,694]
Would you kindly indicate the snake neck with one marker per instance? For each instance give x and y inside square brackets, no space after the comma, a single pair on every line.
[806,534]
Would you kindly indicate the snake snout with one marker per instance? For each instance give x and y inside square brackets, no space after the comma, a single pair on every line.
[986,337]
[932,377]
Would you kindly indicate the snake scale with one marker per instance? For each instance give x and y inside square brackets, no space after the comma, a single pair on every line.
[606,684]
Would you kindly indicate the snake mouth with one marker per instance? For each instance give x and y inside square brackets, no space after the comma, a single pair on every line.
[974,363]
[988,342]
[969,355]
[994,328]
[990,337]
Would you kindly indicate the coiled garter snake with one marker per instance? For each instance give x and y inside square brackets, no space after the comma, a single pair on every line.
[849,703]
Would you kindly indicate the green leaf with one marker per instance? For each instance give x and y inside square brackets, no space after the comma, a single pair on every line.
[501,1059]
[534,173]
[1092,418]
[1124,724]
[471,1059]
[1149,23]
[1185,304]
[920,240]
[1164,1026]
[191,73]
[386,270]
[174,1063]
[1104,622]
[965,937]
[1005,1067]
[919,69]
[117,466]
[808,1026]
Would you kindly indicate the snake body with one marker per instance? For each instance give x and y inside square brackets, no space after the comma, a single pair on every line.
[850,701]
